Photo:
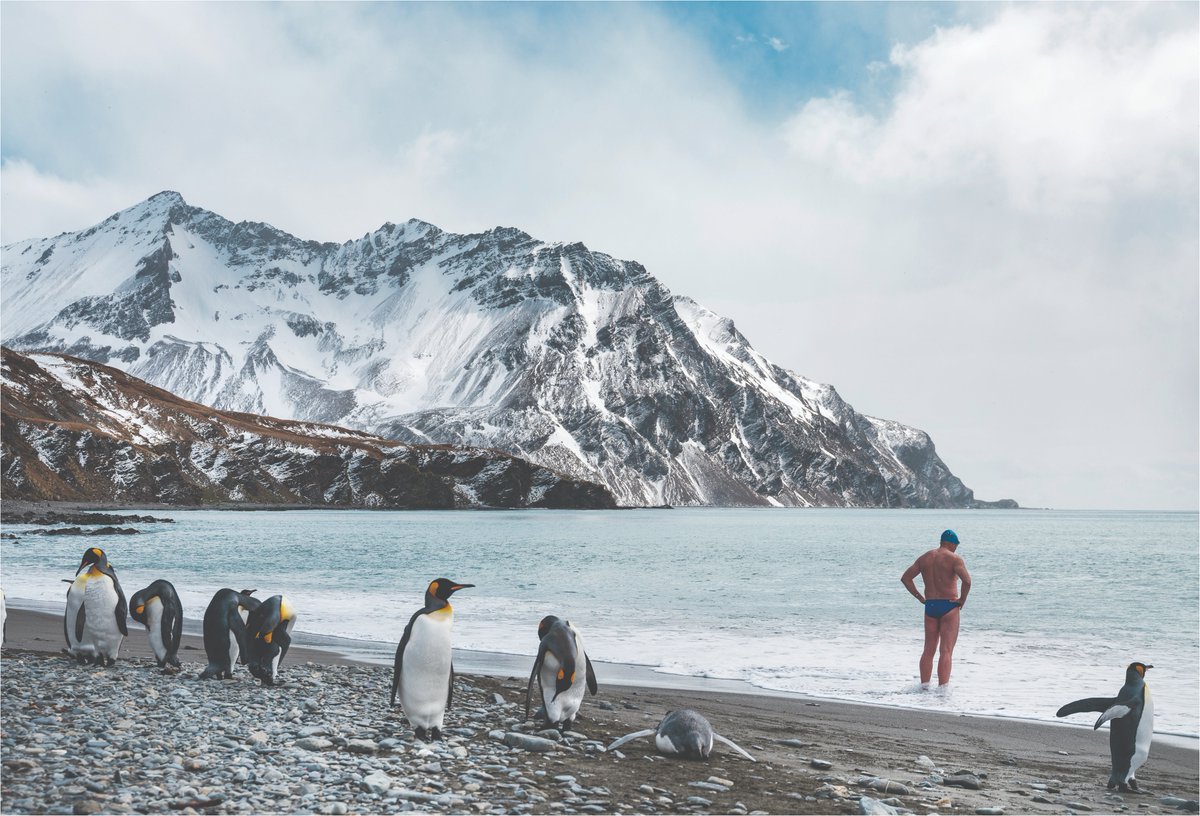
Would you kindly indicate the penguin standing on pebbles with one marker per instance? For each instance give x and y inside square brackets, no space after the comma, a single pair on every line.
[423,674]
[103,626]
[268,636]
[1129,736]
[562,670]
[157,607]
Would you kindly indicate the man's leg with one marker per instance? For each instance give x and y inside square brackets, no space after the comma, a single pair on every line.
[931,643]
[949,636]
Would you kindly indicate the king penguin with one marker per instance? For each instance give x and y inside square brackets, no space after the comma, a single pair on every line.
[424,672]
[1132,716]
[684,733]
[268,637]
[99,625]
[157,607]
[557,669]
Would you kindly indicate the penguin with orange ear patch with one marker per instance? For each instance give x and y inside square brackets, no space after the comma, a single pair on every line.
[423,674]
[563,671]
[157,607]
[268,637]
[1131,713]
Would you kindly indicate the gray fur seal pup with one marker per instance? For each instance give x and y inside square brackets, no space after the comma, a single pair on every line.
[94,621]
[225,631]
[268,637]
[684,733]
[1132,716]
[157,607]
[423,674]
[557,669]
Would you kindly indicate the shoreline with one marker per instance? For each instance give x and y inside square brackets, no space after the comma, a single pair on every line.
[813,756]
[335,650]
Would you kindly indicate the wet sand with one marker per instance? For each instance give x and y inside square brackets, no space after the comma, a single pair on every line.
[1025,767]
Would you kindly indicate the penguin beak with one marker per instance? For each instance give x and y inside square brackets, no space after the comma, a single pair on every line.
[457,587]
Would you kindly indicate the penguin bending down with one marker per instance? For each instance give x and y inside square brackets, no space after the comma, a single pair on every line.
[1129,736]
[268,637]
[94,621]
[684,733]
[225,631]
[157,607]
[424,672]
[559,658]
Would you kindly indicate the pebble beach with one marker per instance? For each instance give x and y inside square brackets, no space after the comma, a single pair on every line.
[132,739]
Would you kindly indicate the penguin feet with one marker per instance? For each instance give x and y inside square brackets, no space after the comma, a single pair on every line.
[422,734]
[436,733]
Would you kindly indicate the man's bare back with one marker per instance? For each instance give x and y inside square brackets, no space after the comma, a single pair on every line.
[940,572]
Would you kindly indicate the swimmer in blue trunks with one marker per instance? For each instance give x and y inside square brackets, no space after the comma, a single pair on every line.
[940,571]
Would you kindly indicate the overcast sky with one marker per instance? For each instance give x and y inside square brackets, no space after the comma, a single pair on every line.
[979,220]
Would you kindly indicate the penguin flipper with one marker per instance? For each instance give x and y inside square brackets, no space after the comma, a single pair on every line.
[284,640]
[450,690]
[122,610]
[80,622]
[733,745]
[537,664]
[629,737]
[591,675]
[1087,704]
[399,664]
[1114,712]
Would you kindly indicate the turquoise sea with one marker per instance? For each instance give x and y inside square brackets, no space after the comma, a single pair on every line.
[797,600]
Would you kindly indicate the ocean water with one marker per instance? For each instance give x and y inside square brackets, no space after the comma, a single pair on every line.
[796,600]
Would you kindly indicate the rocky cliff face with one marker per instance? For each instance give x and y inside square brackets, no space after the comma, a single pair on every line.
[570,358]
[79,431]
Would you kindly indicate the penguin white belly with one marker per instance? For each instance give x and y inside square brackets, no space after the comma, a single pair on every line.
[76,646]
[664,744]
[100,628]
[154,613]
[567,704]
[1145,734]
[425,674]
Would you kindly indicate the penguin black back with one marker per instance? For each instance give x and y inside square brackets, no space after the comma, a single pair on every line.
[1131,713]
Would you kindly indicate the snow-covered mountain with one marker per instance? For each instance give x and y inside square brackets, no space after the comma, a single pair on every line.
[79,431]
[549,351]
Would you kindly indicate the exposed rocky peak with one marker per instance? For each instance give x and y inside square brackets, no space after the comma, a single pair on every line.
[551,351]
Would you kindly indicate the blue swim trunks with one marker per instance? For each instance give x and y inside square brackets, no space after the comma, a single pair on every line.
[939,607]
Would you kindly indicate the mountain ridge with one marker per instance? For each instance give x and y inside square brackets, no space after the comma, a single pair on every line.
[76,430]
[549,351]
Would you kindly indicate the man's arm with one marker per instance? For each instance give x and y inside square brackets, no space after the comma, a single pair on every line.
[907,579]
[960,570]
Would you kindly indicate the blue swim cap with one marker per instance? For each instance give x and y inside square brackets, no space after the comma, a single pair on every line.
[950,536]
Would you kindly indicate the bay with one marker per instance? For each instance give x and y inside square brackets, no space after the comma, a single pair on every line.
[795,600]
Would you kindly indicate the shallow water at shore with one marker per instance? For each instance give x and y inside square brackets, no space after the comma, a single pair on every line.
[796,600]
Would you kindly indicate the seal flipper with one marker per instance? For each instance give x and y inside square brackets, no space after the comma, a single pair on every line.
[733,745]
[630,737]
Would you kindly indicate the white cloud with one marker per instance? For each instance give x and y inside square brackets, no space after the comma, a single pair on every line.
[1005,256]
[777,44]
[1057,107]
